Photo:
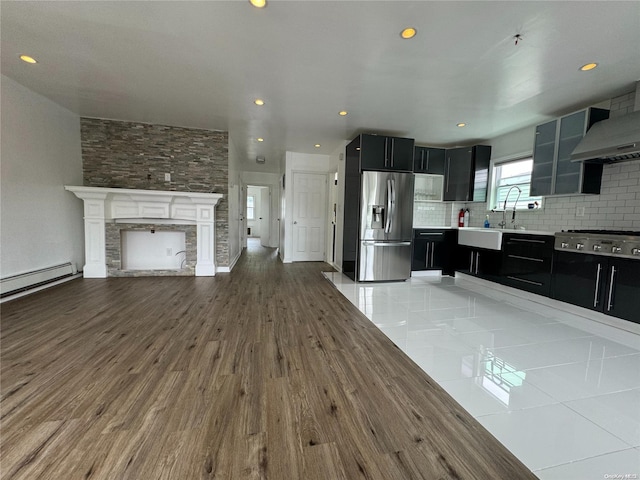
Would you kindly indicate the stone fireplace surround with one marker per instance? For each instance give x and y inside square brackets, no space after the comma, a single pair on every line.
[108,210]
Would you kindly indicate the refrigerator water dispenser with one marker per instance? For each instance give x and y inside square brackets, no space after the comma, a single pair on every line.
[377,216]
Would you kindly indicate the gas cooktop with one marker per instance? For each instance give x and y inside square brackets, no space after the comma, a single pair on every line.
[605,232]
[600,242]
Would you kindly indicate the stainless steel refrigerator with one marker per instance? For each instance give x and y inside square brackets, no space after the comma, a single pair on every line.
[386,218]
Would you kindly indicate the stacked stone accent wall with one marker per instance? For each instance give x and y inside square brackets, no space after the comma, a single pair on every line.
[137,155]
[114,256]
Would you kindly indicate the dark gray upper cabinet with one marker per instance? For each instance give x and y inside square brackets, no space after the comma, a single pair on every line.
[467,174]
[553,171]
[378,152]
[544,151]
[429,160]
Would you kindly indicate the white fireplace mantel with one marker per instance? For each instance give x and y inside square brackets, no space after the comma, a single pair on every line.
[102,205]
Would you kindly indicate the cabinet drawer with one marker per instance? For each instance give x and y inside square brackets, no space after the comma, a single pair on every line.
[527,262]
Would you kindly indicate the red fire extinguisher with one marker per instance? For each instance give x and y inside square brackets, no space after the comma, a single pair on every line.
[461,218]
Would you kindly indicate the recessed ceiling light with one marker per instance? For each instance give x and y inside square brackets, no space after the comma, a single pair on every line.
[342,113]
[317,145]
[408,32]
[588,66]
[258,3]
[261,139]
[258,101]
[28,59]
[461,124]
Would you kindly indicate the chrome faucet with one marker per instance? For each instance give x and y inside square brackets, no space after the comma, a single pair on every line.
[503,223]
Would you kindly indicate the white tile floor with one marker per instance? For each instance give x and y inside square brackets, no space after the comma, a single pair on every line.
[559,390]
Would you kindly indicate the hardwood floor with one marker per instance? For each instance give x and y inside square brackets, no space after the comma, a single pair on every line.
[267,372]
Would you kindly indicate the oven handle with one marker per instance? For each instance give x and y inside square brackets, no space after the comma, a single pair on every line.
[595,294]
[611,280]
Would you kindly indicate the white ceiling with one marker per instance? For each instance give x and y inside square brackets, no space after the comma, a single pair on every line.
[201,64]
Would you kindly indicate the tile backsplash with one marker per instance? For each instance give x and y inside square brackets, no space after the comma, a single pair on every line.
[431,213]
[616,208]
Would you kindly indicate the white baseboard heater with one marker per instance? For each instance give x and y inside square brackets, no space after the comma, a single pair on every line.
[26,281]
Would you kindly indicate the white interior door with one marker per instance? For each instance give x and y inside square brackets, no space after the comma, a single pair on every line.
[265,217]
[309,210]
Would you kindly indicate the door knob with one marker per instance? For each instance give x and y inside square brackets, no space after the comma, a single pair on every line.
[295,222]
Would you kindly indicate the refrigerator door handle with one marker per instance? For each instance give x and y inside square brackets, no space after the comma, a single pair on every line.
[387,223]
[393,203]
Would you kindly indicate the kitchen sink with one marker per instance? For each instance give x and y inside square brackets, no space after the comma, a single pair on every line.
[489,238]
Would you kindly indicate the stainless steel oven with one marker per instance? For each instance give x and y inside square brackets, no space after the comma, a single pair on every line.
[599,270]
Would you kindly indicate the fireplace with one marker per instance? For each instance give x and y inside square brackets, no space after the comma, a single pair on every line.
[111,213]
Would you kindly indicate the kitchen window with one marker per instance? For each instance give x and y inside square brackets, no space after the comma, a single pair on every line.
[251,202]
[508,174]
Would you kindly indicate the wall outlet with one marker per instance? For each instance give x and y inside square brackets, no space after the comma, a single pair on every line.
[169,252]
[579,211]
[167,177]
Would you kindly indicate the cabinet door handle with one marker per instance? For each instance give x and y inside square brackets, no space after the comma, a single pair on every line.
[595,294]
[427,160]
[527,240]
[422,159]
[610,301]
[391,155]
[477,258]
[471,264]
[426,259]
[526,258]
[386,152]
[448,170]
[433,247]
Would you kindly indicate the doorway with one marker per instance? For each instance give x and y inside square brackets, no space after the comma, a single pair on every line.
[258,214]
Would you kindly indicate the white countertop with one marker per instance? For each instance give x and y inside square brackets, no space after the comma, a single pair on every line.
[511,230]
[433,227]
[503,230]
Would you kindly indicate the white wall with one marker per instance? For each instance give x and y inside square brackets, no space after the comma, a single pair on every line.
[308,163]
[235,204]
[41,223]
[337,164]
[513,145]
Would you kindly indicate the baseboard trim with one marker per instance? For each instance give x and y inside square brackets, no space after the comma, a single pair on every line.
[41,287]
[608,320]
[427,273]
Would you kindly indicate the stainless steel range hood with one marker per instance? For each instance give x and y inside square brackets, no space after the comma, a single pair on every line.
[614,140]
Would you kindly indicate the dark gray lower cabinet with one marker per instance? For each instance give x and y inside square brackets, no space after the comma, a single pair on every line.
[433,249]
[604,284]
[526,262]
[480,262]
